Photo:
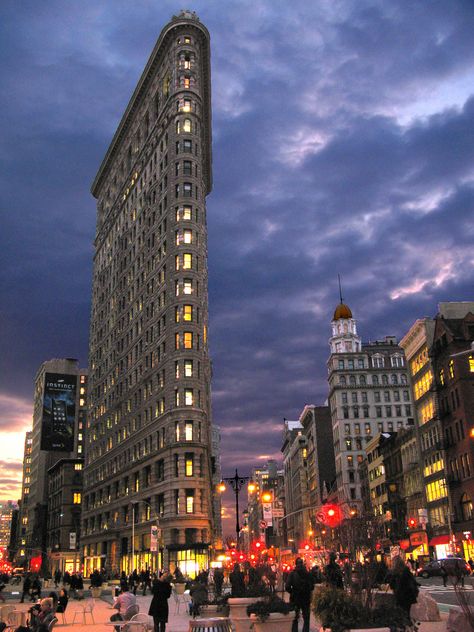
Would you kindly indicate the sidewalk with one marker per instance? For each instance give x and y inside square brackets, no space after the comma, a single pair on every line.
[178,621]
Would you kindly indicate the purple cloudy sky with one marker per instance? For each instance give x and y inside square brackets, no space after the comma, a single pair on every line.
[343,142]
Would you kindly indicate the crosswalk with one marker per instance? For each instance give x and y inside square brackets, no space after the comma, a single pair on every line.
[442,589]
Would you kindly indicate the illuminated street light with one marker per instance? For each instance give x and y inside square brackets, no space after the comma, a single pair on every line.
[236,483]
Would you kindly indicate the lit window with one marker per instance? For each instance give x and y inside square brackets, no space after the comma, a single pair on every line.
[189,465]
[188,430]
[76,498]
[451,369]
[187,286]
[188,340]
[187,189]
[187,82]
[186,105]
[187,212]
[188,313]
[188,397]
[177,341]
[187,236]
[176,370]
[441,377]
[82,401]
[176,430]
[187,127]
[187,261]
[471,363]
[190,501]
[188,368]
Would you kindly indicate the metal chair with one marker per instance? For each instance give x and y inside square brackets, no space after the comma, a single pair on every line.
[52,623]
[84,610]
[179,599]
[145,619]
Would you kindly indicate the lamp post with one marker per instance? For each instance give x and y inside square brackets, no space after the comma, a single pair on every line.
[236,482]
[157,519]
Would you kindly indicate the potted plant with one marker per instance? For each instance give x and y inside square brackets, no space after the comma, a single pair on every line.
[271,614]
[238,606]
[217,607]
[339,611]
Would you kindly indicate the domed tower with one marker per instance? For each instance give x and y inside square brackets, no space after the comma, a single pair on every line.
[344,337]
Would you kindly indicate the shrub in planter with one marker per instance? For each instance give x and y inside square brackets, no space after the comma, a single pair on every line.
[340,611]
[262,609]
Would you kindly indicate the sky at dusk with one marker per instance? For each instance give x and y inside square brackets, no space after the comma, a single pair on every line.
[343,142]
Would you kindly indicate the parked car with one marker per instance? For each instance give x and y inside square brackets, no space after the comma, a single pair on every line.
[452,565]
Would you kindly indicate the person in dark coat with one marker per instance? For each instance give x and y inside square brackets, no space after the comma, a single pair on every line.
[300,585]
[26,588]
[218,581]
[333,573]
[237,582]
[404,585]
[161,591]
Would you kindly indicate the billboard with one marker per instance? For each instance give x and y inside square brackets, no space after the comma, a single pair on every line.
[59,411]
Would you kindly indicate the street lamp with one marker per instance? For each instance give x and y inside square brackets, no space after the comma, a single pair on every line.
[236,482]
[157,518]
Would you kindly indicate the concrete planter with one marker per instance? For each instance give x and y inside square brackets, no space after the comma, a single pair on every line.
[180,588]
[359,630]
[96,591]
[238,612]
[276,622]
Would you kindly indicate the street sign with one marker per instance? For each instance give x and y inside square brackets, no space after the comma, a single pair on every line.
[263,524]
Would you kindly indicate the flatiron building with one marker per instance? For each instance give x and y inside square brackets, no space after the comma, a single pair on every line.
[148,453]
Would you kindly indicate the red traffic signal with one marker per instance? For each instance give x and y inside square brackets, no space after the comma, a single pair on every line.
[412,523]
[331,515]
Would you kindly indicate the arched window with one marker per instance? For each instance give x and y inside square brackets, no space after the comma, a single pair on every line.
[384,379]
[342,380]
[362,380]
[187,125]
[394,378]
[352,380]
[466,507]
[375,380]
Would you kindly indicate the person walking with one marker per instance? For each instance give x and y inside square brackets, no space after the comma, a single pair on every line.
[333,573]
[404,585]
[218,581]
[237,582]
[300,585]
[161,591]
[26,587]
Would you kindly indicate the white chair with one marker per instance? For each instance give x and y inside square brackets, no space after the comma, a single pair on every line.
[179,599]
[84,610]
[144,619]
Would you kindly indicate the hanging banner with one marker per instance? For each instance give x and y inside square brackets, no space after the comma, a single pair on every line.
[154,537]
[268,514]
[72,540]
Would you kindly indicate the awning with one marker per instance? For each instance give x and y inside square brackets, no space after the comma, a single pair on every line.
[439,539]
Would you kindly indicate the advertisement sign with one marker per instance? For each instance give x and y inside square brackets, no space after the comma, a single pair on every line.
[59,410]
[72,540]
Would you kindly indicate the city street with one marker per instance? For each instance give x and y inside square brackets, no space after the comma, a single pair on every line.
[444,597]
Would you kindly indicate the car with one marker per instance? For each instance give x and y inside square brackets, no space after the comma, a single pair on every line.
[452,566]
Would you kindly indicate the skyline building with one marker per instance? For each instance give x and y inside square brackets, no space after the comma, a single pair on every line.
[59,417]
[148,457]
[368,394]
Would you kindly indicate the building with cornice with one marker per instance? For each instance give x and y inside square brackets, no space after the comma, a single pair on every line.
[368,394]
[148,458]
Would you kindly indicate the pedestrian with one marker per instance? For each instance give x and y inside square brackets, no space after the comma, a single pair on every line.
[444,575]
[26,587]
[470,561]
[404,585]
[218,581]
[62,600]
[35,589]
[333,573]
[161,591]
[300,585]
[2,586]
[237,583]
[57,577]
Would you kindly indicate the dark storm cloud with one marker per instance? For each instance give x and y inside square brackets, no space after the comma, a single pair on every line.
[343,142]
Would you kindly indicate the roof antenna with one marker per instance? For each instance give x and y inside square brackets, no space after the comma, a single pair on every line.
[340,290]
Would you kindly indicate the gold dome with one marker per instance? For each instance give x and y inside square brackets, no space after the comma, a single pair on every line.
[342,311]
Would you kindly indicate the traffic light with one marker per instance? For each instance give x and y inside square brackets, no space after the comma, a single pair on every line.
[267,496]
[331,515]
[411,523]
